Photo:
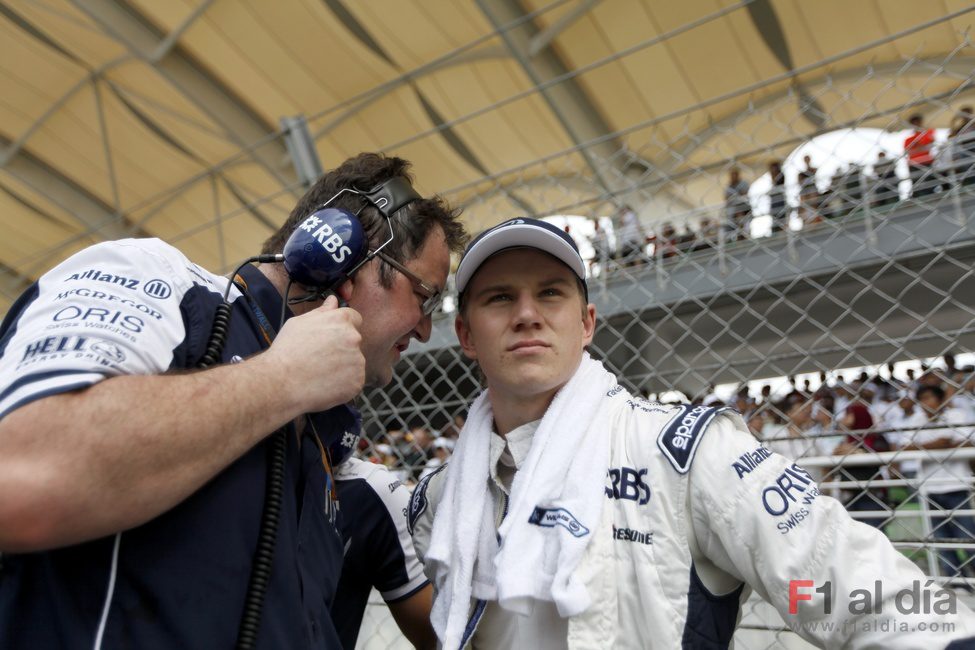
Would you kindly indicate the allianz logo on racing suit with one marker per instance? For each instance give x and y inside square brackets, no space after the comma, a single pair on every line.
[750,460]
[155,288]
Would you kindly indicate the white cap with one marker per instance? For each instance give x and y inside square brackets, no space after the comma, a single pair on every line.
[520,233]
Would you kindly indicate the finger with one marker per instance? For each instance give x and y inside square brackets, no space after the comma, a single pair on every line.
[332,302]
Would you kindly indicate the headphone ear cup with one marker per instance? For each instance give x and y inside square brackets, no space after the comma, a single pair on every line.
[324,248]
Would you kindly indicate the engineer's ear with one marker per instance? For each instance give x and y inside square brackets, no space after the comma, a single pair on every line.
[345,290]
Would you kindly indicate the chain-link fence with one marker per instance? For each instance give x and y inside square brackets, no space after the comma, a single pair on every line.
[828,298]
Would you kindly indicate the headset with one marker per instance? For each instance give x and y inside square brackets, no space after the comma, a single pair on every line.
[330,244]
[328,247]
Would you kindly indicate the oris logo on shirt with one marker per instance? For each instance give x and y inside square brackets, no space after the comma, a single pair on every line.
[97,316]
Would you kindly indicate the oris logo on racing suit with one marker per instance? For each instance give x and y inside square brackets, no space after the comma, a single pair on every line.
[100,318]
[750,460]
[628,485]
[794,489]
[94,294]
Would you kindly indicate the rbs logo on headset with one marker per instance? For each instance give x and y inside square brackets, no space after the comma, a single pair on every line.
[327,237]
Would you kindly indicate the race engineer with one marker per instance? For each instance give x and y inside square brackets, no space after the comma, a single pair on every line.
[575,515]
[132,485]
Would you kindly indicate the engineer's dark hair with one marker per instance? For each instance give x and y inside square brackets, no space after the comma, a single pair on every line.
[411,223]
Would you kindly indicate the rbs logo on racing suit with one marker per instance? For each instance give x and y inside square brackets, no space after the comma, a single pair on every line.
[628,485]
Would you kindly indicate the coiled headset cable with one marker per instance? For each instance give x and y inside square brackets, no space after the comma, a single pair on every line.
[260,577]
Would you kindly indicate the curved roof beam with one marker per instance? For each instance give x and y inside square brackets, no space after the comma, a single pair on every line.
[544,38]
[483,54]
[98,219]
[567,100]
[768,26]
[242,126]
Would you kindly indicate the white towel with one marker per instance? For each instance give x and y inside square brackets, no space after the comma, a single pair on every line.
[560,487]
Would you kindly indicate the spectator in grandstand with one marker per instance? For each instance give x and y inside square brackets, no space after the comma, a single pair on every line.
[962,141]
[964,394]
[850,191]
[808,193]
[842,396]
[857,422]
[949,361]
[945,483]
[452,430]
[417,449]
[440,450]
[573,514]
[778,208]
[602,252]
[743,401]
[911,379]
[378,553]
[792,430]
[632,238]
[665,244]
[738,207]
[707,235]
[831,201]
[919,148]
[956,158]
[885,182]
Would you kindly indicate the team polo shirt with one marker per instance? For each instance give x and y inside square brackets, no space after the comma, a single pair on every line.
[378,546]
[139,307]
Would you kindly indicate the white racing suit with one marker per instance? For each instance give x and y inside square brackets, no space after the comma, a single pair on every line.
[697,514]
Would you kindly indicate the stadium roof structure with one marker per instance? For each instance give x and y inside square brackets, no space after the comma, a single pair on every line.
[148,118]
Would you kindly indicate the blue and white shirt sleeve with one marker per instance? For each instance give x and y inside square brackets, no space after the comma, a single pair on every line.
[379,516]
[111,309]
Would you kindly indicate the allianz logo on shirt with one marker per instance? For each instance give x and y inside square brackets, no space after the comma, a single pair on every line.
[155,288]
